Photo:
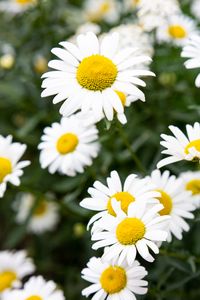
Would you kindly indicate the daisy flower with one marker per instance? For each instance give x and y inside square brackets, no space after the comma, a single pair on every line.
[152,14]
[68,146]
[130,5]
[10,168]
[195,8]
[176,30]
[16,6]
[102,10]
[192,51]
[133,189]
[44,217]
[14,266]
[36,288]
[87,75]
[181,147]
[191,181]
[128,233]
[176,201]
[114,281]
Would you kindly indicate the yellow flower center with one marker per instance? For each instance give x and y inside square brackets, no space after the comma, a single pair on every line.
[177,32]
[130,230]
[193,186]
[124,197]
[113,279]
[122,97]
[96,73]
[6,280]
[195,144]
[67,143]
[5,168]
[34,298]
[166,201]
[104,8]
[41,209]
[23,2]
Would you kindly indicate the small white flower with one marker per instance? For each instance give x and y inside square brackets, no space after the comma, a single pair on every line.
[134,189]
[176,30]
[127,234]
[130,5]
[102,10]
[176,201]
[10,168]
[181,147]
[44,217]
[195,8]
[191,181]
[36,288]
[68,146]
[114,280]
[192,51]
[16,6]
[88,75]
[14,266]
[152,14]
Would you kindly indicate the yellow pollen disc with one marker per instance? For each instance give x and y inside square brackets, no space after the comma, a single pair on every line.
[96,73]
[166,201]
[113,279]
[193,186]
[130,230]
[5,168]
[34,298]
[6,280]
[124,197]
[177,32]
[41,209]
[22,2]
[195,144]
[104,8]
[122,97]
[67,143]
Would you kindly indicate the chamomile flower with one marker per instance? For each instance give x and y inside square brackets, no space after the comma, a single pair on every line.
[176,30]
[133,189]
[130,5]
[87,75]
[68,146]
[14,266]
[114,280]
[16,6]
[127,234]
[152,14]
[45,214]
[191,182]
[181,147]
[192,51]
[176,201]
[36,288]
[10,168]
[102,10]
[195,8]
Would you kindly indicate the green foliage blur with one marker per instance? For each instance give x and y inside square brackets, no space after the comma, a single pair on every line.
[171,98]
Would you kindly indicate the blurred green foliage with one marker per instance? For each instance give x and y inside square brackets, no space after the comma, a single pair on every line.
[171,99]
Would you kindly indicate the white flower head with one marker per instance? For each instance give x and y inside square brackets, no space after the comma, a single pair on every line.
[14,266]
[131,233]
[16,6]
[133,189]
[88,75]
[176,201]
[192,52]
[10,167]
[36,288]
[195,8]
[176,30]
[114,280]
[181,147]
[102,10]
[45,214]
[69,146]
[191,182]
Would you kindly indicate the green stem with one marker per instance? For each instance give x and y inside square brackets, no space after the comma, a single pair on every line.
[180,256]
